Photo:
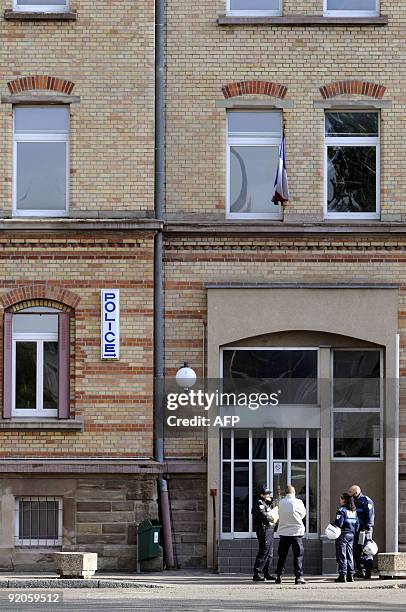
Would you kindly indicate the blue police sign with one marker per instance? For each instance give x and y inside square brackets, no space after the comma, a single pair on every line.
[110,328]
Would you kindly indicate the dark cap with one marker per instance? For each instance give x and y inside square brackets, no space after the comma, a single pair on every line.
[263,490]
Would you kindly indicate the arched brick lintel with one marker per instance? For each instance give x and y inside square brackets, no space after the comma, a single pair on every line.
[362,88]
[266,88]
[40,292]
[40,82]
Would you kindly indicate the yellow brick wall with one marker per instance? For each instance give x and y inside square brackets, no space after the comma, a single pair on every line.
[203,56]
[113,398]
[108,52]
[191,262]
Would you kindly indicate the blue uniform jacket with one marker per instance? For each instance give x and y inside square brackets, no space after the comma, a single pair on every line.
[365,511]
[347,520]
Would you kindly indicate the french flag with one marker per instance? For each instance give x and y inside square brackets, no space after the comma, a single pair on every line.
[281,187]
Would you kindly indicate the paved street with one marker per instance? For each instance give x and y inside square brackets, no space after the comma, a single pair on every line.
[204,592]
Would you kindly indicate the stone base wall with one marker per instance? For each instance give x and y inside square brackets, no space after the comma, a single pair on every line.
[189,515]
[100,514]
[402,513]
[238,556]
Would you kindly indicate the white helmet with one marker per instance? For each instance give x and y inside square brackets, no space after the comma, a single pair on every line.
[370,549]
[332,532]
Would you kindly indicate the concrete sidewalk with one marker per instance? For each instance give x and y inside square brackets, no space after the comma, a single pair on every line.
[176,578]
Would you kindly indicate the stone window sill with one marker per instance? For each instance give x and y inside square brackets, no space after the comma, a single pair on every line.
[303,20]
[41,424]
[33,16]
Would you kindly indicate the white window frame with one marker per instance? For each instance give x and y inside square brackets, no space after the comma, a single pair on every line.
[39,338]
[375,410]
[39,137]
[342,13]
[248,12]
[35,8]
[352,141]
[231,535]
[35,542]
[247,141]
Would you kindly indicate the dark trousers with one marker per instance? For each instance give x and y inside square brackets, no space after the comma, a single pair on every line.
[344,553]
[285,542]
[362,564]
[263,561]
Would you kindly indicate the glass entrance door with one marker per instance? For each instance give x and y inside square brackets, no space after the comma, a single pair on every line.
[276,457]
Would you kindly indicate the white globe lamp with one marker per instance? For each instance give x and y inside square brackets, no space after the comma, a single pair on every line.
[185,377]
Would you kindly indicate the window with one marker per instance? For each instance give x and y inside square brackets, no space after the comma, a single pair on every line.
[254,7]
[41,6]
[357,404]
[38,521]
[253,145]
[354,8]
[250,458]
[36,363]
[292,372]
[41,161]
[352,169]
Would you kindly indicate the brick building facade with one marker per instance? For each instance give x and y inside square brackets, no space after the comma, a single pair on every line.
[93,464]
[319,280]
[299,64]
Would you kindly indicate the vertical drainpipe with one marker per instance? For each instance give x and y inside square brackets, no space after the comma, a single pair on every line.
[159,203]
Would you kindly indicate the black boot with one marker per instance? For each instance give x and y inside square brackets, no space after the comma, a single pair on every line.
[278,580]
[350,578]
[270,577]
[258,578]
[368,575]
[341,578]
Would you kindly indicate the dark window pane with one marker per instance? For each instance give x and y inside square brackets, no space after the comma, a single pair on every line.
[241,499]
[226,497]
[38,520]
[26,375]
[226,444]
[241,444]
[298,444]
[313,488]
[357,382]
[259,477]
[351,179]
[352,124]
[292,372]
[280,445]
[280,480]
[50,375]
[298,480]
[356,434]
[258,445]
[313,445]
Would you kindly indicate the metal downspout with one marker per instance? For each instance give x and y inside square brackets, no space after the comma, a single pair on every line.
[160,42]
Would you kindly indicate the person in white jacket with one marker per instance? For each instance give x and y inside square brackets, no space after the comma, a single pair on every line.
[291,531]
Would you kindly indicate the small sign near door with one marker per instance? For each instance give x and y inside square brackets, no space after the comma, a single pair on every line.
[277,468]
[156,537]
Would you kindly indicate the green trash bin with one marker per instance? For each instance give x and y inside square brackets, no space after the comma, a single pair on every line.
[149,535]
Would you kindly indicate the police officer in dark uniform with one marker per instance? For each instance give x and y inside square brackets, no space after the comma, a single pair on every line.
[347,520]
[366,518]
[264,527]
